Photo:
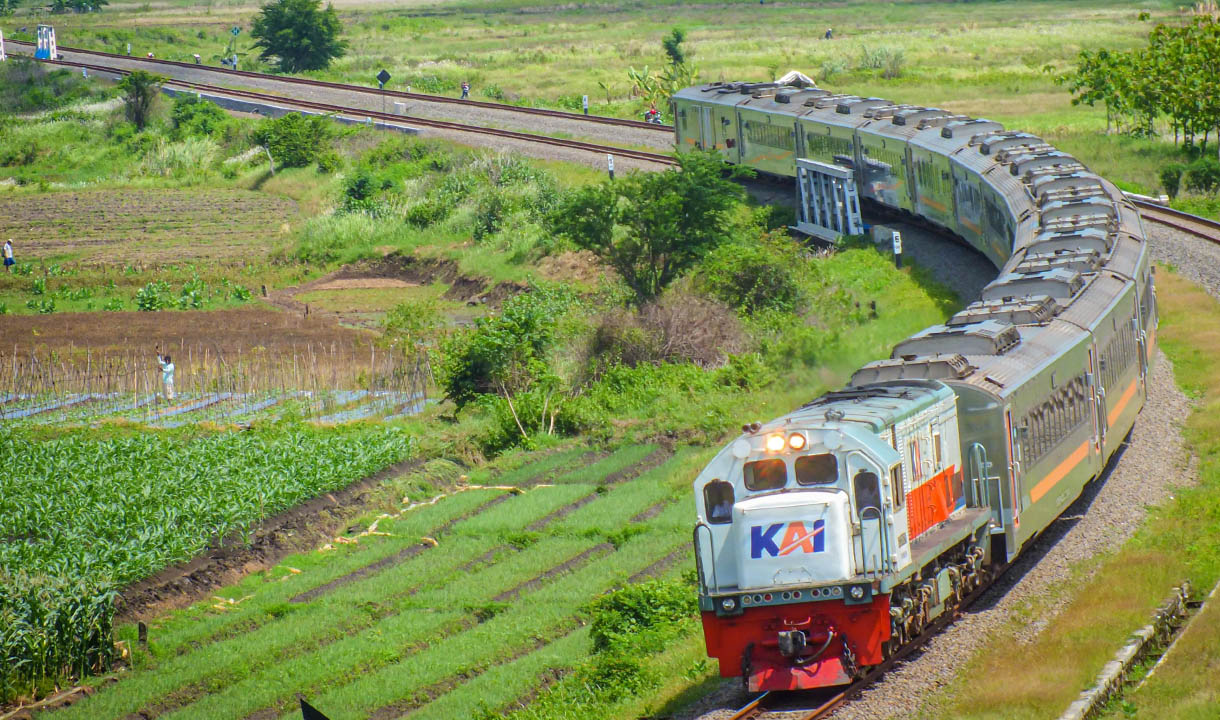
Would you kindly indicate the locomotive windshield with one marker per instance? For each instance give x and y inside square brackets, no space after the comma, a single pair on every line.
[820,469]
[770,474]
[718,499]
[868,491]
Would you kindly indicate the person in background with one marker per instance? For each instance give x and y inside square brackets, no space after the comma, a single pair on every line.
[465,89]
[8,255]
[167,373]
[829,33]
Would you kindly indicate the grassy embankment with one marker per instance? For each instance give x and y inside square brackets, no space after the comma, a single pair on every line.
[1116,593]
[984,59]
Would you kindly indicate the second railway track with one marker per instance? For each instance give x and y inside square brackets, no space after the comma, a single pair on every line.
[345,87]
[621,152]
[1200,227]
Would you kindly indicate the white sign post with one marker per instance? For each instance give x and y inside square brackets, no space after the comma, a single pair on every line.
[610,165]
[584,101]
[2,55]
[897,249]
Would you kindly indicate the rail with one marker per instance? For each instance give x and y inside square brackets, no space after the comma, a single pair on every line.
[391,117]
[1200,227]
[504,107]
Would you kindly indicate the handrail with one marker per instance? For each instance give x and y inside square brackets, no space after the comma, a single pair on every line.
[703,589]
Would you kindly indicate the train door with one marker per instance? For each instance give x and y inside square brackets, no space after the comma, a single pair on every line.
[1015,471]
[1098,393]
[707,139]
[871,548]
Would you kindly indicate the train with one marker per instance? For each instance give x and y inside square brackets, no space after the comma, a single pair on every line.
[830,537]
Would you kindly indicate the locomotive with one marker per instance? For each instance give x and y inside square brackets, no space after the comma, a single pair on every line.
[829,537]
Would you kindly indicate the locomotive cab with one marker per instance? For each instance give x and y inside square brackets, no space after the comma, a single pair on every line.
[806,524]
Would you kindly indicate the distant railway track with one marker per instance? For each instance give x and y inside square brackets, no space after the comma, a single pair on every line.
[503,107]
[391,117]
[762,706]
[1201,227]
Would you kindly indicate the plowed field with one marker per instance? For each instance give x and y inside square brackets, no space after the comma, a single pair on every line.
[143,226]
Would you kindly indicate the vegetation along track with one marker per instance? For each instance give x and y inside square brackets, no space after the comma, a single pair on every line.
[499,107]
[1201,227]
[640,155]
[764,706]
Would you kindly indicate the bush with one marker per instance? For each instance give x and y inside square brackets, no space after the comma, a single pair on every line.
[193,116]
[1171,178]
[680,327]
[345,237]
[295,140]
[1203,175]
[756,275]
[193,155]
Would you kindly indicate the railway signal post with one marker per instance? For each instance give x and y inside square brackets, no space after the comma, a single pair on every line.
[383,77]
[897,249]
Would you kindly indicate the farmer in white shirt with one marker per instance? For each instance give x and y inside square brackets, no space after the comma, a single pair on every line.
[167,373]
[8,255]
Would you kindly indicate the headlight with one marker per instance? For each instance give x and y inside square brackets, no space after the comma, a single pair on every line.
[796,441]
[728,604]
[856,592]
[775,443]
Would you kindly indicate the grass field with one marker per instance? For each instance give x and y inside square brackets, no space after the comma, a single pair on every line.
[982,58]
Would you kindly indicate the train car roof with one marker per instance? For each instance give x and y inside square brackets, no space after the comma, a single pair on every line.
[876,406]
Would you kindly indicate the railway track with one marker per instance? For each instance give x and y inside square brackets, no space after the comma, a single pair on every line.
[763,706]
[1201,227]
[390,117]
[502,107]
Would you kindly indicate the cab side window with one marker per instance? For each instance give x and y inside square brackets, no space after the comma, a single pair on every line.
[868,491]
[770,474]
[718,501]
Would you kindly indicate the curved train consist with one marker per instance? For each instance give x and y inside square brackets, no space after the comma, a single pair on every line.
[830,536]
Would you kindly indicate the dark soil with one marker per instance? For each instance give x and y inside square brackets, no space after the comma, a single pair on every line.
[424,271]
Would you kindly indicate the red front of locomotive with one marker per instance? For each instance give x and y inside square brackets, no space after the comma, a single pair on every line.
[797,645]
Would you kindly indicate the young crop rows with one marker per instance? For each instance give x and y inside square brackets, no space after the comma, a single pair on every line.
[81,517]
[450,609]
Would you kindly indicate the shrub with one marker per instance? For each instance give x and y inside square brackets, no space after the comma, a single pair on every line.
[680,327]
[192,155]
[295,140]
[1203,175]
[1171,178]
[757,275]
[412,324]
[193,116]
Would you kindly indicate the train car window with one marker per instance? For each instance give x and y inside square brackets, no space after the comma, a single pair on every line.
[769,474]
[718,499]
[820,469]
[936,451]
[896,485]
[868,491]
[916,465]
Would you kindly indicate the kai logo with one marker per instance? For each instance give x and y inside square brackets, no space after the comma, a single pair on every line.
[808,540]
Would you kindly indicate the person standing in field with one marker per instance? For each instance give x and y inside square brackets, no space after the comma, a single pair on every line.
[465,89]
[167,373]
[8,255]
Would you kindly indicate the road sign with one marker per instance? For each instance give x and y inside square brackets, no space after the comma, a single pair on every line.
[897,249]
[383,77]
[236,31]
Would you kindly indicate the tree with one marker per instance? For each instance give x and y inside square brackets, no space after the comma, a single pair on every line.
[139,90]
[652,227]
[673,46]
[298,35]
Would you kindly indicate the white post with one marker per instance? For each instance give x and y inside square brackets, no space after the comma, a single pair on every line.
[2,55]
[584,101]
[898,249]
[400,108]
[610,165]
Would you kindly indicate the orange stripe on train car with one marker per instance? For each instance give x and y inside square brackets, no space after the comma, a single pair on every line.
[1060,472]
[1122,403]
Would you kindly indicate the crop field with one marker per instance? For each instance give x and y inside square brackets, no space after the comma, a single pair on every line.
[143,226]
[72,535]
[443,609]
